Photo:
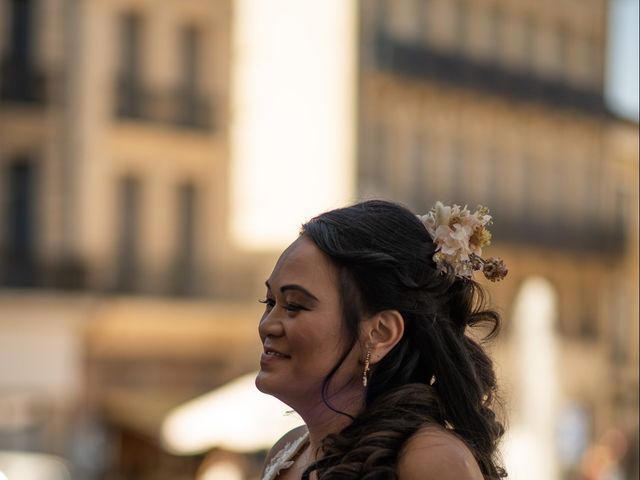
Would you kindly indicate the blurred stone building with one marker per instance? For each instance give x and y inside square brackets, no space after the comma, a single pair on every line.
[122,294]
[501,103]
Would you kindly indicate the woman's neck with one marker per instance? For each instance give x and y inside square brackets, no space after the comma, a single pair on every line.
[322,421]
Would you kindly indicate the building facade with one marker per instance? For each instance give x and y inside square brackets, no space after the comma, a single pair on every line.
[120,283]
[502,104]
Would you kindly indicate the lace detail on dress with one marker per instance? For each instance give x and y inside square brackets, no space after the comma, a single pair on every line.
[283,459]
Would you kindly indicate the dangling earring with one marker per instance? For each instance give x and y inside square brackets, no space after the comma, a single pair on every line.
[365,373]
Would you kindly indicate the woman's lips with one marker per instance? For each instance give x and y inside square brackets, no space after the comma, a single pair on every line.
[273,353]
[268,350]
[270,355]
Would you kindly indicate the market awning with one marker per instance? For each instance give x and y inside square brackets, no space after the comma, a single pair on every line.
[235,417]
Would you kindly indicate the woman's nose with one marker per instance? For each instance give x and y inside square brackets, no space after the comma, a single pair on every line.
[270,325]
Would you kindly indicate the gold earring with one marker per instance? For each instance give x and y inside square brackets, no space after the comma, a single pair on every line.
[365,373]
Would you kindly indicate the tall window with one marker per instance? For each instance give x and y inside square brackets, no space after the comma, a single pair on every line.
[496,35]
[191,112]
[458,171]
[421,19]
[594,62]
[16,68]
[528,201]
[491,177]
[460,24]
[186,240]
[418,173]
[128,235]
[19,248]
[528,42]
[381,9]
[190,48]
[21,34]
[129,91]
[407,20]
[562,51]
[374,164]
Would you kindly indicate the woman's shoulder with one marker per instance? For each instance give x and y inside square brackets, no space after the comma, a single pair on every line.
[288,438]
[433,452]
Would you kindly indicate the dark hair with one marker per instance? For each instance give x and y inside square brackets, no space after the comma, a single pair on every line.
[436,373]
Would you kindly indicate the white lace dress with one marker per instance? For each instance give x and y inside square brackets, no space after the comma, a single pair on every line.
[284,458]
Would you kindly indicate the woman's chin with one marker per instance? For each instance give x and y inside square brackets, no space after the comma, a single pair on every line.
[263,384]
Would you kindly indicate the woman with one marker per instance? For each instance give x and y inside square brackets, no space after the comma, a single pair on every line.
[364,336]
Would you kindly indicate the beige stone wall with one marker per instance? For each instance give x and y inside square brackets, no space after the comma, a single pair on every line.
[531,161]
[523,34]
[83,149]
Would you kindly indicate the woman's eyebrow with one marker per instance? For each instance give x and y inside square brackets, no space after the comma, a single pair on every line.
[298,288]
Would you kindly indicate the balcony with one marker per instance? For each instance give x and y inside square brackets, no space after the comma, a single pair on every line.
[548,229]
[21,269]
[21,83]
[179,108]
[192,111]
[592,238]
[423,62]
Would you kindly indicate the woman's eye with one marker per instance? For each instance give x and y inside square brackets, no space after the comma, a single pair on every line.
[269,303]
[292,307]
[289,307]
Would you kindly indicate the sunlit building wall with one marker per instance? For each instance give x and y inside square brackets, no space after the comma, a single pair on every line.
[115,138]
[501,104]
[122,291]
[116,185]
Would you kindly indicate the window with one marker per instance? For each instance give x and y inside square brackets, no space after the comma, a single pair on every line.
[381,10]
[594,64]
[21,34]
[186,240]
[129,91]
[458,170]
[421,19]
[408,20]
[562,51]
[460,21]
[128,241]
[491,177]
[528,200]
[528,42]
[130,27]
[374,163]
[189,48]
[193,109]
[417,173]
[620,327]
[495,31]
[19,236]
[19,81]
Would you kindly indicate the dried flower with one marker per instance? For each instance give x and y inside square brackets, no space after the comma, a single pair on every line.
[494,269]
[460,236]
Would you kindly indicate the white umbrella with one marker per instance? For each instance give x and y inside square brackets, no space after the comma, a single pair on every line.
[236,417]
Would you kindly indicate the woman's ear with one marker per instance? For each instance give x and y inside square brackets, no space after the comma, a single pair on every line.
[382,332]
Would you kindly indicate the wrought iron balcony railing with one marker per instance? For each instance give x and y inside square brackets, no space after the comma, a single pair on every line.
[21,82]
[181,108]
[422,61]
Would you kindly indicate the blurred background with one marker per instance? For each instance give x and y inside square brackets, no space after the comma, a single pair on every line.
[156,156]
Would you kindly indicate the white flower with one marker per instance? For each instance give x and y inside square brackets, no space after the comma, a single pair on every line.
[458,234]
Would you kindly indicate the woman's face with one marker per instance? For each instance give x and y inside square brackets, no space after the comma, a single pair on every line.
[302,329]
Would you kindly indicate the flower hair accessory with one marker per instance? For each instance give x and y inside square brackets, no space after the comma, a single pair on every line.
[460,236]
